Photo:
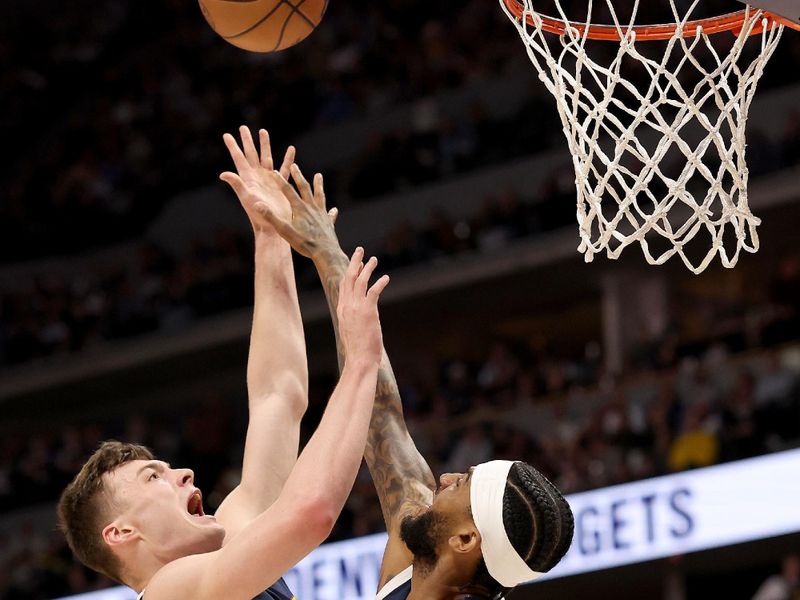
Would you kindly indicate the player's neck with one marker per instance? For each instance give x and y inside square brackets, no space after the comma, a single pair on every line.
[445,581]
[146,566]
[428,588]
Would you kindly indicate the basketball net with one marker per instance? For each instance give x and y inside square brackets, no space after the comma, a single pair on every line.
[696,103]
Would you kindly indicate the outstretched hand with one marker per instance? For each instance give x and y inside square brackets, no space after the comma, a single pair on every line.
[309,225]
[357,311]
[255,181]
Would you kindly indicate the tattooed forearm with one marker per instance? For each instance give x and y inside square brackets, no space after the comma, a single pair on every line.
[331,263]
[400,473]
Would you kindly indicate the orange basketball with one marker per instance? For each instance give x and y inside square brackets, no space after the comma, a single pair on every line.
[263,25]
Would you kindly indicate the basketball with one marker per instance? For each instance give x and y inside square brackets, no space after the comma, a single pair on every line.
[263,25]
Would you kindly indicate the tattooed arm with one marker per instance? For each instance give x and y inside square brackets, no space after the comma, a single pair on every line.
[403,479]
[400,473]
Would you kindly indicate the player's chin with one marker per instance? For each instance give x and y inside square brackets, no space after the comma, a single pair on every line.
[210,524]
[205,522]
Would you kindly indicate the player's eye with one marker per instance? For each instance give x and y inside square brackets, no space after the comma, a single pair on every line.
[153,475]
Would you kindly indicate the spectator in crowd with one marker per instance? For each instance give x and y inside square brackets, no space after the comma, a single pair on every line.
[695,446]
[785,585]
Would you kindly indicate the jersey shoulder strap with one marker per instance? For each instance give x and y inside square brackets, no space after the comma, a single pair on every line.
[398,587]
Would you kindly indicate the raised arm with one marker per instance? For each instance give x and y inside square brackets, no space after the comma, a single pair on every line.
[317,488]
[277,372]
[402,477]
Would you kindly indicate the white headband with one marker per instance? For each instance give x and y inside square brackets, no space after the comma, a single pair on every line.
[487,487]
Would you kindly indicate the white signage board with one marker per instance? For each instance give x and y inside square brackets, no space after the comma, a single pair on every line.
[675,514]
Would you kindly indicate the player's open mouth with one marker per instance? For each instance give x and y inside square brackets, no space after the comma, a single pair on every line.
[195,504]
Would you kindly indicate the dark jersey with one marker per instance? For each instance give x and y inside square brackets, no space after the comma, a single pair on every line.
[278,591]
[399,593]
[397,588]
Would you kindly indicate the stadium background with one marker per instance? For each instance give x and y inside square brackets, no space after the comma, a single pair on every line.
[126,269]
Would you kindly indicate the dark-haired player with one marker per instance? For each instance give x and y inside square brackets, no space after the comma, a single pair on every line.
[478,533]
[141,521]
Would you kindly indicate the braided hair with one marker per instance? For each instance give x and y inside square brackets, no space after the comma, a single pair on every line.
[538,522]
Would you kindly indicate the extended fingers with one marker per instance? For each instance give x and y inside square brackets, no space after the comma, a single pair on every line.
[302,184]
[288,160]
[266,149]
[319,191]
[374,292]
[248,146]
[362,282]
[286,188]
[353,269]
[233,180]
[239,159]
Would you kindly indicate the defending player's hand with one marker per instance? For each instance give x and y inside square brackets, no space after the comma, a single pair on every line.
[255,180]
[359,323]
[309,227]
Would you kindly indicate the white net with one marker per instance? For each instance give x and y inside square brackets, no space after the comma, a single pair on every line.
[657,137]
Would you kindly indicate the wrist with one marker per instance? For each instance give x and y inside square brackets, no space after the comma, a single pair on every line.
[326,252]
[268,237]
[361,365]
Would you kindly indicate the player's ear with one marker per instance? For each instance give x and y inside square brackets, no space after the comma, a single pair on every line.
[465,540]
[116,534]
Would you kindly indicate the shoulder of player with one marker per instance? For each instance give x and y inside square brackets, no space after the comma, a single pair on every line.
[181,578]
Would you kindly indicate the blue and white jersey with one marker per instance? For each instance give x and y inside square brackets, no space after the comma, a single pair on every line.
[398,587]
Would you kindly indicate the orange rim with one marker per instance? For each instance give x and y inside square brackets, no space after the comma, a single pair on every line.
[728,22]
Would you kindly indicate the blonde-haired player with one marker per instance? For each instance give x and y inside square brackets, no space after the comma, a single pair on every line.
[141,522]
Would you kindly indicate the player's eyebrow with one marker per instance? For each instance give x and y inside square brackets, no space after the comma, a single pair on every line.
[469,474]
[156,465]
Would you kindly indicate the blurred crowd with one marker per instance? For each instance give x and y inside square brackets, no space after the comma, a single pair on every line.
[583,428]
[139,115]
[152,290]
[148,291]
[129,142]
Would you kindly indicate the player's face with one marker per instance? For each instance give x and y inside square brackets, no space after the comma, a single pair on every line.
[452,497]
[165,509]
[427,533]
